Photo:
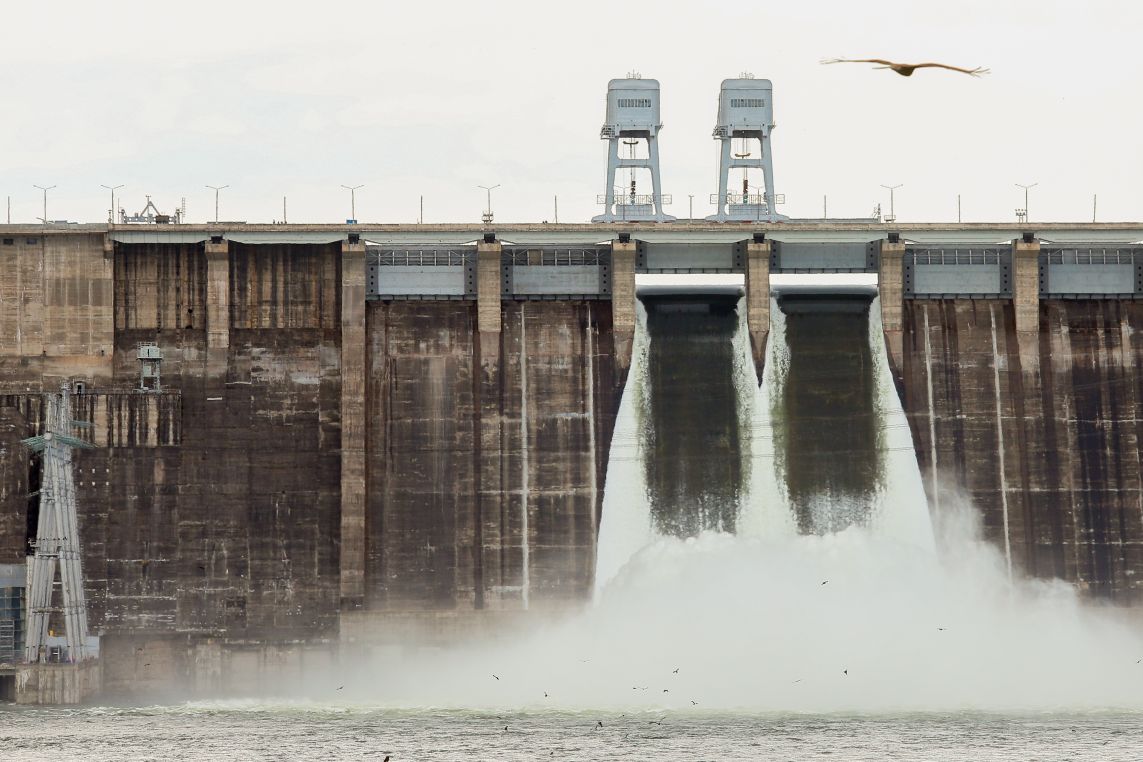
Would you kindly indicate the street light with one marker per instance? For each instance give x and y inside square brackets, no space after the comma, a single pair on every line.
[45,190]
[1025,209]
[112,188]
[488,212]
[216,189]
[353,200]
[892,210]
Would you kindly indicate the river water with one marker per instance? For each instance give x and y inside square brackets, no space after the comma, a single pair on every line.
[259,731]
[804,604]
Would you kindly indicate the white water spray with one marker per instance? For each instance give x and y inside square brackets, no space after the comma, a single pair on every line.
[900,511]
[1000,440]
[626,523]
[765,508]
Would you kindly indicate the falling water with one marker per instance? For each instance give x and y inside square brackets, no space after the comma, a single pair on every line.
[626,523]
[864,618]
[765,505]
[901,511]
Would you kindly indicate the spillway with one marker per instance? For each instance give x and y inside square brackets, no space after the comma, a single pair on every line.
[817,445]
[828,434]
[693,456]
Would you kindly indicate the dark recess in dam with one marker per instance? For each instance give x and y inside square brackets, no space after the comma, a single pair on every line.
[693,462]
[826,424]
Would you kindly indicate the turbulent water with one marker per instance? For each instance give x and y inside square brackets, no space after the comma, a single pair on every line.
[877,634]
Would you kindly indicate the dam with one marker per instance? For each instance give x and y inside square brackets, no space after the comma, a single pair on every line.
[308,441]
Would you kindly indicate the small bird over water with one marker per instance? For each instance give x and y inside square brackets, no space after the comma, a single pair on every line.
[907,69]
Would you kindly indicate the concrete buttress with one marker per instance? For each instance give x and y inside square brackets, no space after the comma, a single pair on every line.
[352,424]
[623,254]
[758,298]
[488,286]
[217,313]
[890,285]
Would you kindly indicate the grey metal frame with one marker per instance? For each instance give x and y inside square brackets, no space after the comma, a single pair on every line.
[1091,272]
[429,272]
[555,272]
[810,257]
[957,271]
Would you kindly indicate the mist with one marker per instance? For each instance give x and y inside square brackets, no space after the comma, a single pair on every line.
[901,614]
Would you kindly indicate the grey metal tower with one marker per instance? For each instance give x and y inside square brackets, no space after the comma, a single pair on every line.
[746,115]
[150,358]
[632,117]
[57,537]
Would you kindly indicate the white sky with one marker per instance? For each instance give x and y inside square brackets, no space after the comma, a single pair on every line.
[436,98]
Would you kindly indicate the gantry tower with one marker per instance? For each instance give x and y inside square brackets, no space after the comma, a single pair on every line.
[632,119]
[745,123]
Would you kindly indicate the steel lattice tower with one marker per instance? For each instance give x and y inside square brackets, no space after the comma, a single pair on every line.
[57,536]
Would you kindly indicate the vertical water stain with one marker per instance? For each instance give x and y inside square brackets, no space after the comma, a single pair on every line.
[693,459]
[829,431]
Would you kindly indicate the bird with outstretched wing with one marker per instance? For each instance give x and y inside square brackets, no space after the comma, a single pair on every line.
[907,69]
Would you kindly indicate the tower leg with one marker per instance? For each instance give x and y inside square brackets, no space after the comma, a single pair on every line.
[768,176]
[612,165]
[723,178]
[656,186]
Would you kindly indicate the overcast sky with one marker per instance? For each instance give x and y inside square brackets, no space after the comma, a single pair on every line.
[436,98]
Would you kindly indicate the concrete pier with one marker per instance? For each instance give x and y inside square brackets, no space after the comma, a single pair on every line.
[623,255]
[758,298]
[1026,284]
[488,287]
[352,421]
[217,311]
[890,289]
[58,684]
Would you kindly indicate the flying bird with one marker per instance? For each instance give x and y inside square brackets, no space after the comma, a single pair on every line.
[907,69]
[496,677]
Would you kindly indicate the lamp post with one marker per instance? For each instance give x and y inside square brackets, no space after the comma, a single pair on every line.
[892,209]
[1025,210]
[45,190]
[112,188]
[353,199]
[216,189]
[488,212]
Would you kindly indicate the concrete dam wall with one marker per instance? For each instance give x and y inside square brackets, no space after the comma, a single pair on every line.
[323,469]
[218,532]
[1039,429]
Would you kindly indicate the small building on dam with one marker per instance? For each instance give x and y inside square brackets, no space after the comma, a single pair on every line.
[286,444]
